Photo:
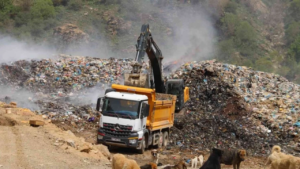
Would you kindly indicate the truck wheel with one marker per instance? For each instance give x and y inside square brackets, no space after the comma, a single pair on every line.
[166,139]
[143,145]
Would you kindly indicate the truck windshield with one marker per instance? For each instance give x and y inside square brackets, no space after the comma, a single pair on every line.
[121,108]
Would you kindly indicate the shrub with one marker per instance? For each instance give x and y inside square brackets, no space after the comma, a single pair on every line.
[294,50]
[292,32]
[75,5]
[295,10]
[42,9]
[229,24]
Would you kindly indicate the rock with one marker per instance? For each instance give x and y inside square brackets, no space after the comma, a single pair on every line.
[103,149]
[85,148]
[13,104]
[71,143]
[94,151]
[56,144]
[36,123]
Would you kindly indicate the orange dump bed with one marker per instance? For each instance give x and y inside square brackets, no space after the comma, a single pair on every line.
[162,106]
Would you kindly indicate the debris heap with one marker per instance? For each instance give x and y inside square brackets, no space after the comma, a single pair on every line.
[235,106]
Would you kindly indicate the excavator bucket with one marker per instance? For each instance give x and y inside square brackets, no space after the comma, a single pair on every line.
[137,80]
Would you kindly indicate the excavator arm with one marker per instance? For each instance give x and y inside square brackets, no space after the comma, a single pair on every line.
[154,79]
[146,44]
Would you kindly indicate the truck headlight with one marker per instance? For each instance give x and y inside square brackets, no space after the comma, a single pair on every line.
[132,141]
[100,137]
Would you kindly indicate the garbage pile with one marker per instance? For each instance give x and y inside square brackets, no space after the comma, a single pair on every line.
[235,106]
[66,74]
[66,88]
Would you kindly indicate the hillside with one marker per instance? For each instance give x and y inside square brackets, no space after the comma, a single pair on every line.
[261,34]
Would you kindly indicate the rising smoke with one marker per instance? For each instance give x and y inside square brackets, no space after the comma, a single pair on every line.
[193,35]
[23,97]
[14,50]
[188,33]
[192,38]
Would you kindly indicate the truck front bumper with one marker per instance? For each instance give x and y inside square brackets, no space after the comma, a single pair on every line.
[131,141]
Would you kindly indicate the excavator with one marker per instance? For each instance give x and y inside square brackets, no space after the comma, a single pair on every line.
[154,79]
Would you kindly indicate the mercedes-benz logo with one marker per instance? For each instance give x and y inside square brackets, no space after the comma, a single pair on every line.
[117,127]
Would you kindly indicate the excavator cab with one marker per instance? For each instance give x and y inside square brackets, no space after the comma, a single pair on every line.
[176,87]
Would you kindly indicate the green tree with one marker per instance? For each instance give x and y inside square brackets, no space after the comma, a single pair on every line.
[60,2]
[231,7]
[245,32]
[5,5]
[292,32]
[295,10]
[75,5]
[292,67]
[7,12]
[229,24]
[264,64]
[227,49]
[42,9]
[245,38]
[294,50]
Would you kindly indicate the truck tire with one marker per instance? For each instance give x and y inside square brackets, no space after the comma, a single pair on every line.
[143,145]
[166,139]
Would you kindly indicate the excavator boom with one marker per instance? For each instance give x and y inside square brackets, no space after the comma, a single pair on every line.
[154,79]
[146,44]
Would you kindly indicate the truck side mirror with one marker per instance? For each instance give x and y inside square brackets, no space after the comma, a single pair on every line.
[99,103]
[146,110]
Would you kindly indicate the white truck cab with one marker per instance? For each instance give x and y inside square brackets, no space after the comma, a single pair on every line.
[123,119]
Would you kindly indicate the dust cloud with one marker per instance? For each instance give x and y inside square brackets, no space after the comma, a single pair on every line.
[14,50]
[187,34]
[21,96]
[194,35]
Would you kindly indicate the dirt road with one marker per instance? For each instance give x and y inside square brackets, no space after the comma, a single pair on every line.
[26,147]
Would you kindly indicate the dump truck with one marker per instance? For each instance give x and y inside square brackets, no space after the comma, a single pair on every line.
[135,117]
[140,113]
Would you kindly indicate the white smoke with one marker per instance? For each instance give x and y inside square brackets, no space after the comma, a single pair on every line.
[12,50]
